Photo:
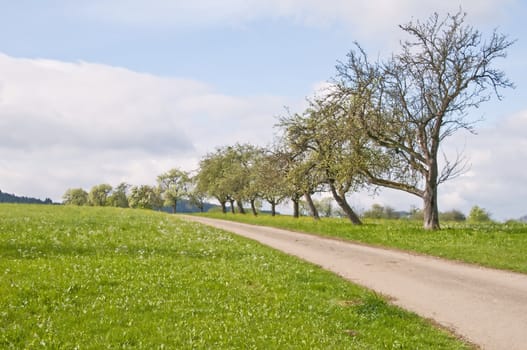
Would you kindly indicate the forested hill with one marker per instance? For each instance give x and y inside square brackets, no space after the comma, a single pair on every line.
[11,198]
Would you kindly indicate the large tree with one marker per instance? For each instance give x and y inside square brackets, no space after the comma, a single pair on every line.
[325,137]
[410,103]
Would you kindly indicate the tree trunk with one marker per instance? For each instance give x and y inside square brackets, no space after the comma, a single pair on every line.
[430,207]
[240,207]
[343,203]
[273,208]
[312,208]
[296,207]
[232,206]
[223,207]
[253,207]
[174,208]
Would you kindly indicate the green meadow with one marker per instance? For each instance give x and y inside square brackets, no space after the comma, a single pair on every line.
[497,245]
[107,278]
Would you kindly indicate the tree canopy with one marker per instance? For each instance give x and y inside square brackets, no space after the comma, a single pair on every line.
[174,185]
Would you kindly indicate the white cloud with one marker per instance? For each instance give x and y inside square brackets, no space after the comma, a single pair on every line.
[79,124]
[497,178]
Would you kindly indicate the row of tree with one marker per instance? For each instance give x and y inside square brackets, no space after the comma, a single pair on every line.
[173,186]
[176,185]
[381,123]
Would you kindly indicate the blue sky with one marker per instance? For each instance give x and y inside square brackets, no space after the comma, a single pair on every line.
[103,91]
[274,52]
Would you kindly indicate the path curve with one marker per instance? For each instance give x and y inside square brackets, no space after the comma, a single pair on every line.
[487,307]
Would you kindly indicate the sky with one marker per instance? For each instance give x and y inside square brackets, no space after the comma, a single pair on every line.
[105,91]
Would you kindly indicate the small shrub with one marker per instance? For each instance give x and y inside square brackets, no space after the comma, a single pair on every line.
[377,211]
[452,215]
[478,215]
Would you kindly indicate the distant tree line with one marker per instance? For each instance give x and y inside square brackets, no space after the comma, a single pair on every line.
[11,198]
[476,214]
[174,189]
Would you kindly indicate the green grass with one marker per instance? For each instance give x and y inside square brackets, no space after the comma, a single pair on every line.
[501,246]
[104,278]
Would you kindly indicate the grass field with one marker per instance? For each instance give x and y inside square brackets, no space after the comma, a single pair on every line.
[105,278]
[495,245]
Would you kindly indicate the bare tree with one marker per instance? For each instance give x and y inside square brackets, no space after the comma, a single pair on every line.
[409,104]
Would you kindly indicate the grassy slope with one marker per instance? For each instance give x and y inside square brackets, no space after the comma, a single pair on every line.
[501,246]
[110,278]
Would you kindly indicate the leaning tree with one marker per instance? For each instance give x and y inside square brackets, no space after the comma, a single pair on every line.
[410,103]
[324,135]
[301,174]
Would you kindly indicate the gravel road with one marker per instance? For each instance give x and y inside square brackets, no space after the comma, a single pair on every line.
[485,306]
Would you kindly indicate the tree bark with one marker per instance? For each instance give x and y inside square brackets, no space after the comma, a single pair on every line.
[296,207]
[223,207]
[253,207]
[273,208]
[232,206]
[240,207]
[174,208]
[343,203]
[312,208]
[430,207]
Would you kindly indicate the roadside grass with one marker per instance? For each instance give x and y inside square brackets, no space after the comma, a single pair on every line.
[93,278]
[496,245]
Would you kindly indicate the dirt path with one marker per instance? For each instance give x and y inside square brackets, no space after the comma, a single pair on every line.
[488,307]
